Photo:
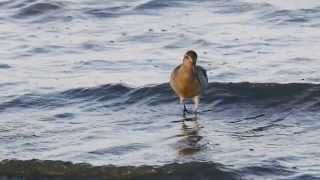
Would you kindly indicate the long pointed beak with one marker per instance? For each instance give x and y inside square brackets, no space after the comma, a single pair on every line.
[194,69]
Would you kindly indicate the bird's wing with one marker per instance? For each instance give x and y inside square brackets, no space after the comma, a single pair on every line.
[202,77]
[175,72]
[173,76]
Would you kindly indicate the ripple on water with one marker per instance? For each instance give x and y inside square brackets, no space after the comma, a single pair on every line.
[275,171]
[108,12]
[64,116]
[189,42]
[36,9]
[238,7]
[16,4]
[96,46]
[4,66]
[120,150]
[298,16]
[157,4]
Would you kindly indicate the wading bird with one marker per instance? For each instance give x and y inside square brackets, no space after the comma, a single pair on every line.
[188,80]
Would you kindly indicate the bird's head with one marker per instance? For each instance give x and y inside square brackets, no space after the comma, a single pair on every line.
[190,58]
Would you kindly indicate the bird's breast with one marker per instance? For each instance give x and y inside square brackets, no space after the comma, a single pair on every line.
[185,85]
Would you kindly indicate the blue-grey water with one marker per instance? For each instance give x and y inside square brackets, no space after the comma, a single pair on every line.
[86,81]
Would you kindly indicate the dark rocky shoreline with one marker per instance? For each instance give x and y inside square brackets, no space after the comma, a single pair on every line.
[60,170]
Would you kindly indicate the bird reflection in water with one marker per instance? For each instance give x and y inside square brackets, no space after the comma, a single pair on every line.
[190,142]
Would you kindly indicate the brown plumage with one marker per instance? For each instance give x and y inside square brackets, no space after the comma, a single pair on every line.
[189,80]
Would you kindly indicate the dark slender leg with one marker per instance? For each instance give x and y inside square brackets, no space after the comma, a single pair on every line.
[185,110]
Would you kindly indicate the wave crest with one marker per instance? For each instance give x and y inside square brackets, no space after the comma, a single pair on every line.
[261,95]
[37,9]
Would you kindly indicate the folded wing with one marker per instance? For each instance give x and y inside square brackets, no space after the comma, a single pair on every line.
[202,77]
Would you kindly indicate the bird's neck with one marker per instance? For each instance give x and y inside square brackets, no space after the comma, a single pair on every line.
[187,69]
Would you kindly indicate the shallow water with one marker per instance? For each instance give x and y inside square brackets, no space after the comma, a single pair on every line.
[86,81]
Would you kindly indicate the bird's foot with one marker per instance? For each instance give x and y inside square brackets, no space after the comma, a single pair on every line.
[185,110]
[196,111]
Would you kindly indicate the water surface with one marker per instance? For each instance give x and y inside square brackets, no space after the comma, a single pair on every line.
[86,81]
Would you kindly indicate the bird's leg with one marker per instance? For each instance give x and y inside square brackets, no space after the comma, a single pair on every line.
[185,110]
[196,101]
[184,106]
